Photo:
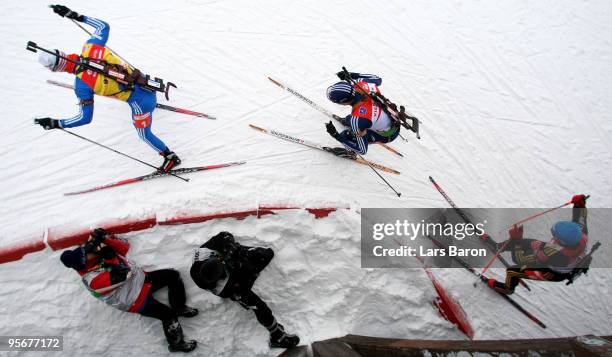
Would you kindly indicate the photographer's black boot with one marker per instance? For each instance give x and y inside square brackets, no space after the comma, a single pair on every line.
[174,336]
[280,339]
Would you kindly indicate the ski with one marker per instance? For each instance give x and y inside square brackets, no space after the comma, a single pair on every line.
[158,105]
[489,241]
[185,170]
[480,277]
[323,110]
[184,111]
[322,148]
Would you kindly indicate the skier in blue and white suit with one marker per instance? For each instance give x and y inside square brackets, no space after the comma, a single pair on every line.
[368,123]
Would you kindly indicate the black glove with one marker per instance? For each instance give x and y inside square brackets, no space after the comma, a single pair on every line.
[331,129]
[64,11]
[344,75]
[47,123]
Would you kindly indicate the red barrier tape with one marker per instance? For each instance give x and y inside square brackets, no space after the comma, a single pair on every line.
[190,218]
[320,212]
[61,237]
[18,250]
[317,212]
[276,208]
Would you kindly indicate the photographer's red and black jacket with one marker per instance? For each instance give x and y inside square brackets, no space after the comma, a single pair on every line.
[117,281]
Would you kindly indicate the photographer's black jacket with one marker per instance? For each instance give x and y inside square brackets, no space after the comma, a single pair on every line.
[241,266]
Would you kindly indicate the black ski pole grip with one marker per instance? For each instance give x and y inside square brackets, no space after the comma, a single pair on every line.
[32,46]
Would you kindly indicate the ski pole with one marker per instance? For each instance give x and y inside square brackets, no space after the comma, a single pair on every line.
[379,175]
[503,247]
[467,220]
[516,224]
[541,213]
[90,34]
[120,153]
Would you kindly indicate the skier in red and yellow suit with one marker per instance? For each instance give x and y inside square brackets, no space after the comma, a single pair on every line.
[89,83]
[368,123]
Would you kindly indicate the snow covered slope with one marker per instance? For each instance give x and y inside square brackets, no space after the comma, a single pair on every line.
[514,99]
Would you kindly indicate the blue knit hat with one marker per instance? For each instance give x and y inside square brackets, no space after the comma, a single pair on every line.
[568,233]
[341,93]
[75,258]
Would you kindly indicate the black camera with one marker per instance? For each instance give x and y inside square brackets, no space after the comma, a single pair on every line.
[96,239]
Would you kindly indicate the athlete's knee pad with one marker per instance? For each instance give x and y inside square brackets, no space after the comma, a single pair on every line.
[141,121]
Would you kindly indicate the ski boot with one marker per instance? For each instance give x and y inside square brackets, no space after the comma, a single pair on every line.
[186,311]
[497,286]
[280,339]
[174,336]
[342,152]
[171,161]
[183,346]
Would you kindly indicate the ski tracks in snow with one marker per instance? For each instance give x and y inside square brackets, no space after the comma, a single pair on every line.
[515,104]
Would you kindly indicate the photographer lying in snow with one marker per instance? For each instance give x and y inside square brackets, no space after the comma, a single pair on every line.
[229,270]
[117,281]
